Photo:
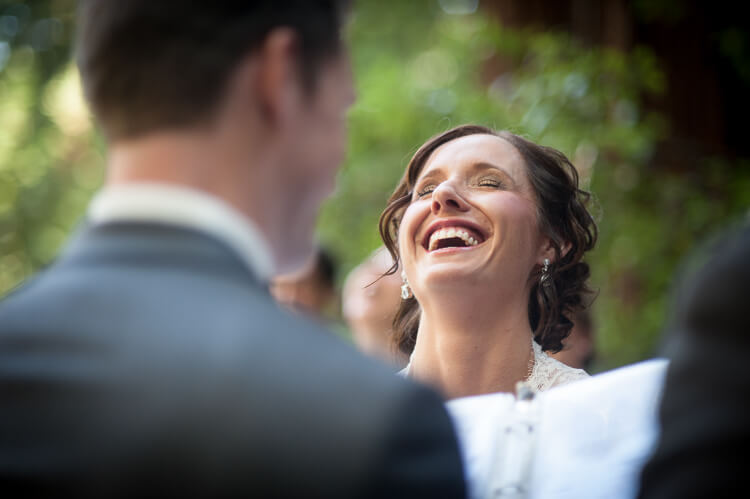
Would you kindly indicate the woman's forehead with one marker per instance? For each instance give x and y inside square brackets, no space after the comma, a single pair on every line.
[474,149]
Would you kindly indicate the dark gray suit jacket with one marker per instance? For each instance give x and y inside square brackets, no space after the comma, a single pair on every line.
[705,411]
[148,361]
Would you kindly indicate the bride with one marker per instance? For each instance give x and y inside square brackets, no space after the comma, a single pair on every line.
[489,230]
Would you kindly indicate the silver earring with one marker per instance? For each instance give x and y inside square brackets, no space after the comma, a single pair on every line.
[405,289]
[544,278]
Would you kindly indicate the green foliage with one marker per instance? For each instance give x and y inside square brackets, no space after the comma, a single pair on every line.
[48,167]
[419,71]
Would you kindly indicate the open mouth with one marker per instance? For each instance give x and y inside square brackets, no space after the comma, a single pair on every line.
[453,237]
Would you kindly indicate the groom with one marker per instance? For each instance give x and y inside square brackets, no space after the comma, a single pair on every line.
[150,359]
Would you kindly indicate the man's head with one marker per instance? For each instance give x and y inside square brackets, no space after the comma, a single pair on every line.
[148,65]
[267,81]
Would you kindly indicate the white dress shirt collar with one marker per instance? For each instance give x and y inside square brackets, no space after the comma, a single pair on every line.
[183,207]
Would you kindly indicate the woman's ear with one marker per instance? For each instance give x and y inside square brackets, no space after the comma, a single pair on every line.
[565,248]
[547,251]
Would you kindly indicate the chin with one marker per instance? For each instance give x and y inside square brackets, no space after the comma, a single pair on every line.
[451,276]
[296,260]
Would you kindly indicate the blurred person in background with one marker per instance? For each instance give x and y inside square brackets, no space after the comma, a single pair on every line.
[370,300]
[703,415]
[578,347]
[490,231]
[150,359]
[311,290]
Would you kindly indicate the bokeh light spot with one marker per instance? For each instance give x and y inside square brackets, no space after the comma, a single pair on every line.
[4,54]
[459,7]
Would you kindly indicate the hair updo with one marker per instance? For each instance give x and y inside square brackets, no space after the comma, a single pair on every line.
[563,218]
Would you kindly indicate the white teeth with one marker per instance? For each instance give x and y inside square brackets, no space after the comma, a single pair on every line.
[450,233]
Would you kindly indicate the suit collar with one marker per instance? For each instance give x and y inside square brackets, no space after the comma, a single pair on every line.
[185,208]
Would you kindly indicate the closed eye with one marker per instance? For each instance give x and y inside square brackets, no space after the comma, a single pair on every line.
[490,182]
[425,190]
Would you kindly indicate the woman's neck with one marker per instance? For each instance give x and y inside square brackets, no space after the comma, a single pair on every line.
[473,348]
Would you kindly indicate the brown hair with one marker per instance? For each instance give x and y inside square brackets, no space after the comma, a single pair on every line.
[563,218]
[153,64]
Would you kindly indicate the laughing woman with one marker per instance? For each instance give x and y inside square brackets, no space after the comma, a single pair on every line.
[489,230]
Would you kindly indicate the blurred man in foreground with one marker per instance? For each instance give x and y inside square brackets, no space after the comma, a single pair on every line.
[150,360]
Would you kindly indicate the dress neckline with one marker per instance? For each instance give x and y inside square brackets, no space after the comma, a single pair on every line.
[545,374]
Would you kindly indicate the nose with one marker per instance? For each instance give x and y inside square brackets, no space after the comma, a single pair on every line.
[445,197]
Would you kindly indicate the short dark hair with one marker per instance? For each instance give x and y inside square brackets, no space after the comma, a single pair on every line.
[563,218]
[152,64]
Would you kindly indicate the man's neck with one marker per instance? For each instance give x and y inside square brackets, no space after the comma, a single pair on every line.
[191,160]
[209,161]
[201,161]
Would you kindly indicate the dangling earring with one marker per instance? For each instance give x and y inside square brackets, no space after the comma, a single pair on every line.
[405,289]
[544,278]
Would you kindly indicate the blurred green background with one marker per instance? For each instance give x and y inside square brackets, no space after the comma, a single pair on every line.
[640,95]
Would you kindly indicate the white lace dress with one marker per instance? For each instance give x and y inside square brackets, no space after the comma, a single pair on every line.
[549,372]
[546,373]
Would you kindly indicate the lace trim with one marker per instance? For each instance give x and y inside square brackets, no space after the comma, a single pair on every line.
[549,372]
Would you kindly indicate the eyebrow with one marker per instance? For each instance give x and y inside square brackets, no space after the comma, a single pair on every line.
[478,166]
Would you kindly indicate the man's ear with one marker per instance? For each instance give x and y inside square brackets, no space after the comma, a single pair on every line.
[278,85]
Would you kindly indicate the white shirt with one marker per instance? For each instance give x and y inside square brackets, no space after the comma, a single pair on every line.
[188,208]
[585,440]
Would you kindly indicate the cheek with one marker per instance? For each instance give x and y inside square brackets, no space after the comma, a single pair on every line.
[529,237]
[408,227]
[316,171]
[321,144]
[519,219]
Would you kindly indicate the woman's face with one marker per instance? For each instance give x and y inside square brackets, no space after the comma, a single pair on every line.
[472,219]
